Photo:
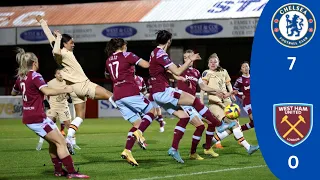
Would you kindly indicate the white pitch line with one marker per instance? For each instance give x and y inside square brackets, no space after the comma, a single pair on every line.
[203,172]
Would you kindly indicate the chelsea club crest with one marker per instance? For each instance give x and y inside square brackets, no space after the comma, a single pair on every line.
[293,25]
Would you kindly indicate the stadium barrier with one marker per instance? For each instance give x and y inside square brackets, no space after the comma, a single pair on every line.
[10,107]
[105,109]
[213,19]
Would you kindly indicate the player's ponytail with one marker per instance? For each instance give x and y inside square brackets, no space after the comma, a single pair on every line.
[25,61]
[113,45]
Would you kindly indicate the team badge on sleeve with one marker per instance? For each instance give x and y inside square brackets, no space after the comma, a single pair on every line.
[293,122]
[293,25]
[166,59]
[42,80]
[204,73]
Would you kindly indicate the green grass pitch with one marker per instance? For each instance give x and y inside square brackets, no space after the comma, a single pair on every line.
[102,141]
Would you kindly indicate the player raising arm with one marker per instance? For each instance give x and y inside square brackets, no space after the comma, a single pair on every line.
[171,99]
[74,75]
[33,88]
[120,66]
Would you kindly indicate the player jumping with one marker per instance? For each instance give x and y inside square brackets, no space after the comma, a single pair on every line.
[171,99]
[74,76]
[144,90]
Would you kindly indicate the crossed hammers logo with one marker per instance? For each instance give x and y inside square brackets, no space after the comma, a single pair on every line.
[293,127]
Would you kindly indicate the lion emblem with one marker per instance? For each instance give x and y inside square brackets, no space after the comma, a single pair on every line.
[294,25]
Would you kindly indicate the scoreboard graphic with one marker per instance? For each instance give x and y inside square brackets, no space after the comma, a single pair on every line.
[285,101]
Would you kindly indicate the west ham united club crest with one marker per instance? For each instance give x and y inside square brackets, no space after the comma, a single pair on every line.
[293,122]
[293,25]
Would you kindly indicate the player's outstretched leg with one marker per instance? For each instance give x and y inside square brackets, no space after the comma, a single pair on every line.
[218,137]
[187,99]
[213,123]
[205,112]
[238,134]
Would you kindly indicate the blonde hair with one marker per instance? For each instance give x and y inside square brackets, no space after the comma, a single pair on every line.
[25,61]
[215,55]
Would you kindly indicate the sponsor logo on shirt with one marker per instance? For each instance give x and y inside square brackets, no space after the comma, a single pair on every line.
[204,74]
[191,78]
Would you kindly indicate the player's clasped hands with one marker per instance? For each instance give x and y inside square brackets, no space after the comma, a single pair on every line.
[231,95]
[220,94]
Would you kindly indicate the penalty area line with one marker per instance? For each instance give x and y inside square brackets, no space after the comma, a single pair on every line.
[202,172]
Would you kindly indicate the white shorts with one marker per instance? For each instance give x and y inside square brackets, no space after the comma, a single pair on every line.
[168,99]
[130,107]
[154,104]
[42,129]
[247,109]
[192,112]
